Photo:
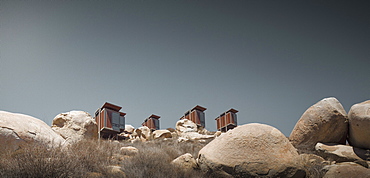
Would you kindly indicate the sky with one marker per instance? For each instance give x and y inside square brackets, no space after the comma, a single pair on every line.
[271,60]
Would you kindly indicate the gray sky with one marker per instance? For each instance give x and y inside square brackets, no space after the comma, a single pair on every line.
[270,60]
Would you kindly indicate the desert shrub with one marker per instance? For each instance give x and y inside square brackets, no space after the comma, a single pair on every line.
[74,161]
[37,161]
[316,170]
[154,159]
[91,158]
[312,164]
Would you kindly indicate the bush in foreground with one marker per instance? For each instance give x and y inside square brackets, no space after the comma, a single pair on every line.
[78,160]
[154,159]
[91,158]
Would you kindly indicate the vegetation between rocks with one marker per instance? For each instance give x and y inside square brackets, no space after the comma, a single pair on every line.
[91,158]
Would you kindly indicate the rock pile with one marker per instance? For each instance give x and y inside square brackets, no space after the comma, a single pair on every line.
[187,130]
[324,128]
[251,150]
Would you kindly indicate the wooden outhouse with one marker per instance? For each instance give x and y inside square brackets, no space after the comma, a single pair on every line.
[152,122]
[227,120]
[196,115]
[110,121]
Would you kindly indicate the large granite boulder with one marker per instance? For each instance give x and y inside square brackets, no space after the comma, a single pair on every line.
[75,126]
[251,150]
[359,125]
[17,130]
[346,169]
[342,153]
[325,122]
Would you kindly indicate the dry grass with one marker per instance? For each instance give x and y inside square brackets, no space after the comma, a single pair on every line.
[154,159]
[78,160]
[91,158]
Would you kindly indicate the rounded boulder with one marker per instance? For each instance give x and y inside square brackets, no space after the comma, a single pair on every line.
[17,130]
[251,150]
[346,169]
[75,126]
[325,122]
[185,161]
[359,125]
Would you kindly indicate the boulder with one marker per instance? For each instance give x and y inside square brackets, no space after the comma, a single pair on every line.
[129,151]
[196,136]
[75,125]
[346,169]
[342,153]
[146,133]
[185,161]
[129,128]
[359,124]
[19,129]
[186,125]
[251,150]
[162,134]
[325,122]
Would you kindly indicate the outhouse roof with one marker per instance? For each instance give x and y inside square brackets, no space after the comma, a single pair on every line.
[200,108]
[154,116]
[111,106]
[232,110]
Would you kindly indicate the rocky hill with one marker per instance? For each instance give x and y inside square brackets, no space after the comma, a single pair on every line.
[325,142]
